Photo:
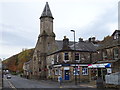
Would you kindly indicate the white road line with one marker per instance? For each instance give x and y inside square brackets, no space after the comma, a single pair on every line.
[11,85]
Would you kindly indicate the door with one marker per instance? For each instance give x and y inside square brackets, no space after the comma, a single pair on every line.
[66,77]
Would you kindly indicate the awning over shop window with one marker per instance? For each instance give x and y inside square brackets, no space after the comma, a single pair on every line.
[103,65]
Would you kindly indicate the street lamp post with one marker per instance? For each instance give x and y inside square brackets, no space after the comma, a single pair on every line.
[74,58]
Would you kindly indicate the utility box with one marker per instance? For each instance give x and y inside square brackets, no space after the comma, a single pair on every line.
[113,80]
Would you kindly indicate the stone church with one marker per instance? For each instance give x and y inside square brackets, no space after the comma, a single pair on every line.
[45,43]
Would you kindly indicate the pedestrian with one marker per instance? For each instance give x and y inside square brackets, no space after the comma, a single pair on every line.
[60,80]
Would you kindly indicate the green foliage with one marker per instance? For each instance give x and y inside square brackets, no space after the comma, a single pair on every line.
[13,73]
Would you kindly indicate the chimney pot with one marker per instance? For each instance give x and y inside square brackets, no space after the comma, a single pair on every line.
[64,37]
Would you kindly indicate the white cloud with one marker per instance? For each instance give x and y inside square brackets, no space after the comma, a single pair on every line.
[6,51]
[20,20]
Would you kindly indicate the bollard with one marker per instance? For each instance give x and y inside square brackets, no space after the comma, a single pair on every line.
[99,82]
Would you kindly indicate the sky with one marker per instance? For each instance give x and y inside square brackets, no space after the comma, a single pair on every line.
[20,24]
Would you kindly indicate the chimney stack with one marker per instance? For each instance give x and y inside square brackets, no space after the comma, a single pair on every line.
[65,43]
[91,39]
[80,39]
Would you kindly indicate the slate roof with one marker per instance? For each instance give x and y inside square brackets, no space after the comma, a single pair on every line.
[46,12]
[109,41]
[59,44]
[84,46]
[80,46]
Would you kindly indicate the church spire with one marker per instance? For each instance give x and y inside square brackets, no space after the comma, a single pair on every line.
[46,12]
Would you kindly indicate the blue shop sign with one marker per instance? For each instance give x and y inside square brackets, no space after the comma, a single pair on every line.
[65,64]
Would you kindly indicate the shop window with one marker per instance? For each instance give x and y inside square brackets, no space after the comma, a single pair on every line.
[84,71]
[57,72]
[76,71]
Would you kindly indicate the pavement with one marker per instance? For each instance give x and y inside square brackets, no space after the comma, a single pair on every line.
[88,84]
[71,84]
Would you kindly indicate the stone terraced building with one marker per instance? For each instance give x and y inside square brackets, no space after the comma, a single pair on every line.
[53,58]
[48,47]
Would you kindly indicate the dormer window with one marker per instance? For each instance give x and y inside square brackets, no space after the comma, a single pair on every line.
[116,36]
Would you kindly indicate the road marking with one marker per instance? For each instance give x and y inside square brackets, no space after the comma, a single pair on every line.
[11,85]
[60,86]
[87,86]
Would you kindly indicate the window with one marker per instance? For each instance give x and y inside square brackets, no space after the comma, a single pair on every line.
[77,56]
[76,71]
[52,60]
[39,69]
[34,58]
[57,57]
[116,51]
[104,55]
[84,71]
[66,56]
[49,73]
[48,46]
[57,71]
[116,36]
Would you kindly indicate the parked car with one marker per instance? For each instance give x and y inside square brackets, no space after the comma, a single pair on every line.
[8,77]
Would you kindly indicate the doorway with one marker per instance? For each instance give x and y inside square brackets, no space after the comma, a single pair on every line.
[67,76]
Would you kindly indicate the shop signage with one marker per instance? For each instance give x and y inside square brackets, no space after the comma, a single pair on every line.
[103,65]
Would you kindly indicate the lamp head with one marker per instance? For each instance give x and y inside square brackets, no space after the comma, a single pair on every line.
[72,30]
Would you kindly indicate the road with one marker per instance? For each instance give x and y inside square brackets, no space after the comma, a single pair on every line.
[17,82]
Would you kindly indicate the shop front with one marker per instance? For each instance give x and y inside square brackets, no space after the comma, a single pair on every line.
[99,70]
[68,72]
